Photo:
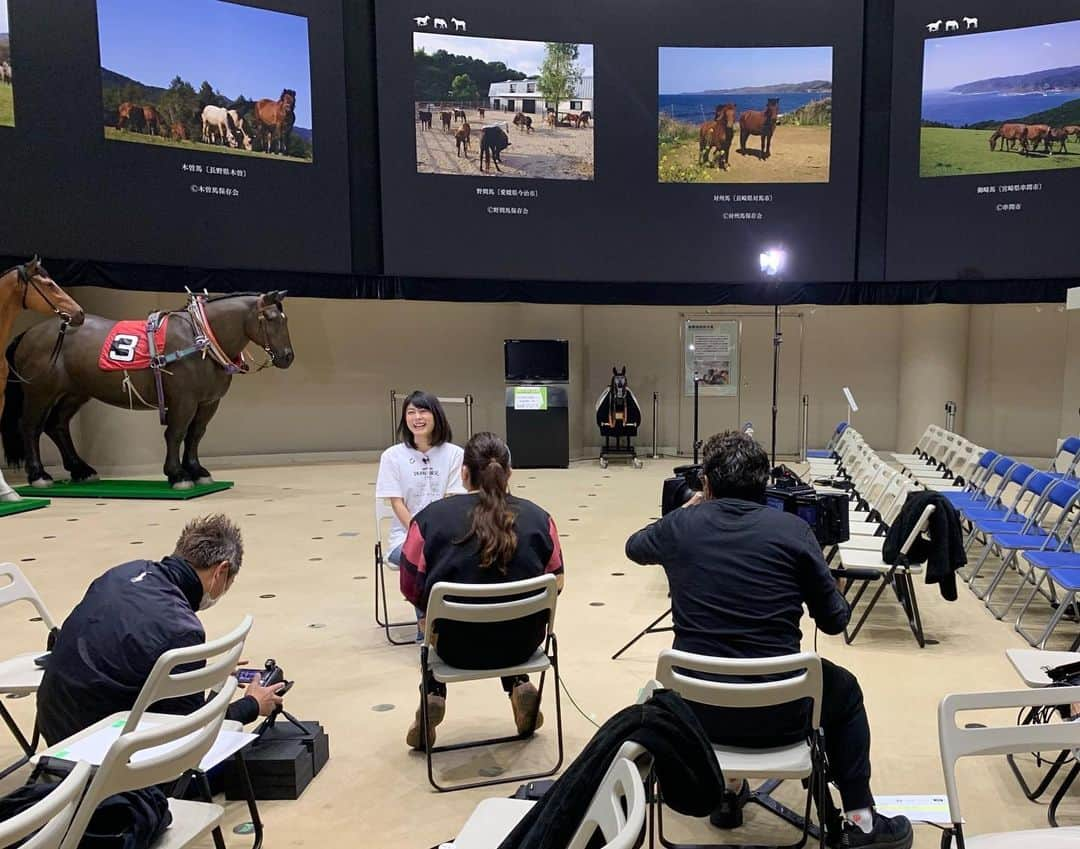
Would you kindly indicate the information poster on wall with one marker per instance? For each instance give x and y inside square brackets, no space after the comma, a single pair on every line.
[179,132]
[985,144]
[712,354]
[661,140]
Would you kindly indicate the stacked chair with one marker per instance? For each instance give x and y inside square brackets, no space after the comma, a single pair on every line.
[878,491]
[1023,516]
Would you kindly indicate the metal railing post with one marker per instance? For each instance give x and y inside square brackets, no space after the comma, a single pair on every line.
[805,427]
[655,418]
[393,416]
[468,415]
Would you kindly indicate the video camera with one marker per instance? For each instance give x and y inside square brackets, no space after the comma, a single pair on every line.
[825,513]
[681,488]
[269,675]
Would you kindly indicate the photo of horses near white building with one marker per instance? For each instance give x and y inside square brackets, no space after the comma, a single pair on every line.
[7,76]
[503,108]
[247,91]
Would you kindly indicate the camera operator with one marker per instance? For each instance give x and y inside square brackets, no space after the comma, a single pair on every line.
[128,618]
[739,574]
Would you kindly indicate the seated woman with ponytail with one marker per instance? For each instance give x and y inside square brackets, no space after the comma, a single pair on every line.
[485,536]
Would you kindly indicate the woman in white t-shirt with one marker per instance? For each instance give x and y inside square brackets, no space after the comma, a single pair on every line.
[423,467]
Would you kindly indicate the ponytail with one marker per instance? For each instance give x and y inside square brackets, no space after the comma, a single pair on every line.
[492,521]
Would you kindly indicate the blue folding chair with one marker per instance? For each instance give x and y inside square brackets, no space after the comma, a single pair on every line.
[1060,494]
[1061,569]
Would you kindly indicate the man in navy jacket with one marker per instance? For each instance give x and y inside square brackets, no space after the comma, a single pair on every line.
[740,573]
[128,618]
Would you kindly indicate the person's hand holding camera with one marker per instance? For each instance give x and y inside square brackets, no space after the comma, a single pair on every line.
[267,697]
[695,499]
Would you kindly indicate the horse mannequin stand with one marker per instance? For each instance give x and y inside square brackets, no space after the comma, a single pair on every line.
[181,364]
[29,287]
[618,415]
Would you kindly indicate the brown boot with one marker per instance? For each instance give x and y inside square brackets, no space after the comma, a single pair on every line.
[436,706]
[525,701]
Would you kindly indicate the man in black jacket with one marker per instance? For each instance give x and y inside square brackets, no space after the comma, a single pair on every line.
[128,618]
[739,574]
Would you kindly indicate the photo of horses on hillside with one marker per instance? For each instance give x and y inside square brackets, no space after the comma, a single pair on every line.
[245,91]
[1001,102]
[492,107]
[744,115]
[7,89]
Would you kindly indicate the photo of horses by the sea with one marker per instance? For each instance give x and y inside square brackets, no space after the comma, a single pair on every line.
[206,75]
[495,107]
[745,114]
[999,102]
[7,75]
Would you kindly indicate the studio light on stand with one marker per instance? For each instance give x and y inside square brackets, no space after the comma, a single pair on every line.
[772,262]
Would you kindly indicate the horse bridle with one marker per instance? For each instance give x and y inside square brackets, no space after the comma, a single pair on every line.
[265,344]
[27,280]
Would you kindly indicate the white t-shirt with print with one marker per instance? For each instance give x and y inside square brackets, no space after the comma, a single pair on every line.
[417,477]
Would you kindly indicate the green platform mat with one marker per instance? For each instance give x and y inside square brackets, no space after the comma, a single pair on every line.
[150,490]
[10,508]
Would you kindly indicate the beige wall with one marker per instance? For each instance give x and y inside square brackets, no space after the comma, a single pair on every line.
[1015,377]
[901,364]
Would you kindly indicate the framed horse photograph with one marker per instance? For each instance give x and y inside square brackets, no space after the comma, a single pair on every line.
[220,77]
[745,114]
[1000,101]
[500,107]
[7,90]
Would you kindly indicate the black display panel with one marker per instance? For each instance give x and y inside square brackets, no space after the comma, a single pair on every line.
[985,140]
[191,132]
[613,186]
[536,359]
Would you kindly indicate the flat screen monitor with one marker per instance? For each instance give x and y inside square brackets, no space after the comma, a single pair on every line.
[537,359]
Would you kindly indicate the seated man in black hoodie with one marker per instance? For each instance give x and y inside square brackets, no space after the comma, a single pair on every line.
[128,618]
[739,574]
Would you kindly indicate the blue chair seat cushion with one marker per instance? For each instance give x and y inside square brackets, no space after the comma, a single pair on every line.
[1053,559]
[1029,541]
[1067,579]
[820,453]
[1002,526]
[991,514]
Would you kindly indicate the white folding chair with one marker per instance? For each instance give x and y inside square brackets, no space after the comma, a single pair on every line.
[158,755]
[19,675]
[801,760]
[51,817]
[472,603]
[218,659]
[384,515]
[865,567]
[617,809]
[960,742]
[1032,666]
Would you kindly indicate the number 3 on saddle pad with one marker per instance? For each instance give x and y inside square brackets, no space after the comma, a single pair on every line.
[126,348]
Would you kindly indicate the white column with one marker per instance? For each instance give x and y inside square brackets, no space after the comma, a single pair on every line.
[932,367]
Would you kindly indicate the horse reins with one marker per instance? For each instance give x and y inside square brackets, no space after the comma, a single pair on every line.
[27,280]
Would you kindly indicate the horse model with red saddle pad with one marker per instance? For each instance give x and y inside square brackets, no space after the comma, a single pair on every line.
[180,363]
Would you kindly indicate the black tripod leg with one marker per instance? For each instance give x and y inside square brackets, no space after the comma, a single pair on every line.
[648,629]
[204,785]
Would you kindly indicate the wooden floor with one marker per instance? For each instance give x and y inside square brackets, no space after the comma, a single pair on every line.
[308,537]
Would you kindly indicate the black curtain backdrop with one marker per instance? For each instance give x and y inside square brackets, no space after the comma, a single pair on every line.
[157,278]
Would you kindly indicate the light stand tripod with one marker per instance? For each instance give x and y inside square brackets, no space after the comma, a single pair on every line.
[777,341]
[651,627]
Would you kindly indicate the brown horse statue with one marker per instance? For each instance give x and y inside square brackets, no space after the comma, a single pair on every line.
[202,349]
[29,287]
[753,122]
[717,135]
[276,119]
